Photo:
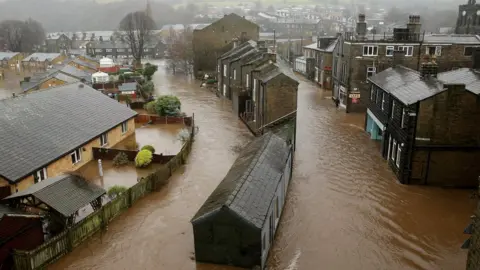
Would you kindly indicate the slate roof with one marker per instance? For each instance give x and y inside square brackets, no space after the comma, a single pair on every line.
[41,57]
[406,84]
[84,63]
[451,39]
[76,72]
[469,77]
[248,45]
[66,193]
[249,187]
[109,45]
[39,127]
[127,87]
[7,55]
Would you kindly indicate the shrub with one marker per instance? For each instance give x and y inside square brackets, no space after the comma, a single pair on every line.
[184,135]
[149,70]
[143,158]
[149,148]
[148,88]
[167,105]
[150,107]
[120,159]
[115,191]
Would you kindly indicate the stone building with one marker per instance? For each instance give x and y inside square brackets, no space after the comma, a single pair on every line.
[468,20]
[118,50]
[58,44]
[427,124]
[359,56]
[59,137]
[10,60]
[212,41]
[322,53]
[237,223]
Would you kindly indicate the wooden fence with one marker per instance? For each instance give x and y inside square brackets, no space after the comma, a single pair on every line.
[66,241]
[110,154]
[144,118]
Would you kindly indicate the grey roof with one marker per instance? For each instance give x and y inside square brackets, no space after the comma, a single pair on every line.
[65,193]
[249,187]
[406,84]
[42,126]
[41,57]
[109,45]
[469,77]
[66,78]
[127,87]
[7,55]
[331,46]
[248,45]
[84,63]
[76,72]
[452,39]
[273,72]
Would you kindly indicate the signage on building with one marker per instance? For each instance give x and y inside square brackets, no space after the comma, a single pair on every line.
[354,95]
[327,68]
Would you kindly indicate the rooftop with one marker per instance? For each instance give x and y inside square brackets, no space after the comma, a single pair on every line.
[66,193]
[7,55]
[41,57]
[39,127]
[467,76]
[249,187]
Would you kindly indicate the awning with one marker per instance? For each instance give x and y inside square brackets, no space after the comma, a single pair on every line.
[375,119]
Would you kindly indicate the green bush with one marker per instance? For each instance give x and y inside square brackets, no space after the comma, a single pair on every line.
[149,70]
[115,191]
[148,88]
[168,105]
[120,159]
[150,107]
[149,148]
[143,158]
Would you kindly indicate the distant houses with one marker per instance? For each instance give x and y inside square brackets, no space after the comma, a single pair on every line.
[10,60]
[119,50]
[42,60]
[55,77]
[237,223]
[59,127]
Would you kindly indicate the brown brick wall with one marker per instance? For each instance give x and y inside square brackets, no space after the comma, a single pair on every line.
[281,98]
[51,83]
[64,164]
[450,118]
[454,168]
[209,43]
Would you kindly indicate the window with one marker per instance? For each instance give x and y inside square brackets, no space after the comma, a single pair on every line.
[124,127]
[218,68]
[224,90]
[389,146]
[392,112]
[403,117]
[225,70]
[40,175]
[468,51]
[399,155]
[247,80]
[146,50]
[372,93]
[370,50]
[109,50]
[234,74]
[407,49]
[120,50]
[389,51]
[371,71]
[103,139]
[98,50]
[76,156]
[434,50]
[254,92]
[394,150]
[383,101]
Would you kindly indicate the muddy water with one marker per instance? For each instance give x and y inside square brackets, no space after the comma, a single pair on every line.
[345,210]
[11,83]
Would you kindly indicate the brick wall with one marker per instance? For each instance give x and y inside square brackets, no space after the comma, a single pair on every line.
[64,164]
[51,83]
[281,98]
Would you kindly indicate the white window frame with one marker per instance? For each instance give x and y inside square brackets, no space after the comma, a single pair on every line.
[41,175]
[370,50]
[394,150]
[234,74]
[372,94]
[383,101]
[109,50]
[224,90]
[403,118]
[399,156]
[225,70]
[218,68]
[392,110]
[124,127]
[389,146]
[247,80]
[438,50]
[407,49]
[254,91]
[389,49]
[78,156]
[371,71]
[104,139]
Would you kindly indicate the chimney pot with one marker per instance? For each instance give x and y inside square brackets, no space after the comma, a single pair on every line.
[361,17]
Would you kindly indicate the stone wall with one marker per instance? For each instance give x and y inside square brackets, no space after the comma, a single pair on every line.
[281,98]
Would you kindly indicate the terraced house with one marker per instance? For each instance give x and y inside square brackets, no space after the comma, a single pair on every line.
[360,55]
[46,133]
[58,75]
[116,50]
[427,124]
[42,60]
[10,60]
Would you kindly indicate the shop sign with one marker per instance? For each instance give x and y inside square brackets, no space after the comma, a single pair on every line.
[354,95]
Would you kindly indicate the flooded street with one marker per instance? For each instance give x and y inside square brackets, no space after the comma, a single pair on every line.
[345,209]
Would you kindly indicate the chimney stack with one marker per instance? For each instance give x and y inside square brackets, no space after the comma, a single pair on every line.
[414,27]
[361,27]
[398,57]
[428,70]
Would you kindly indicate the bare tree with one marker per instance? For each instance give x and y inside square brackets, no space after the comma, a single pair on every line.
[22,36]
[136,29]
[180,50]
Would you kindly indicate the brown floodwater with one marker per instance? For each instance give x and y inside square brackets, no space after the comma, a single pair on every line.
[345,209]
[11,83]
